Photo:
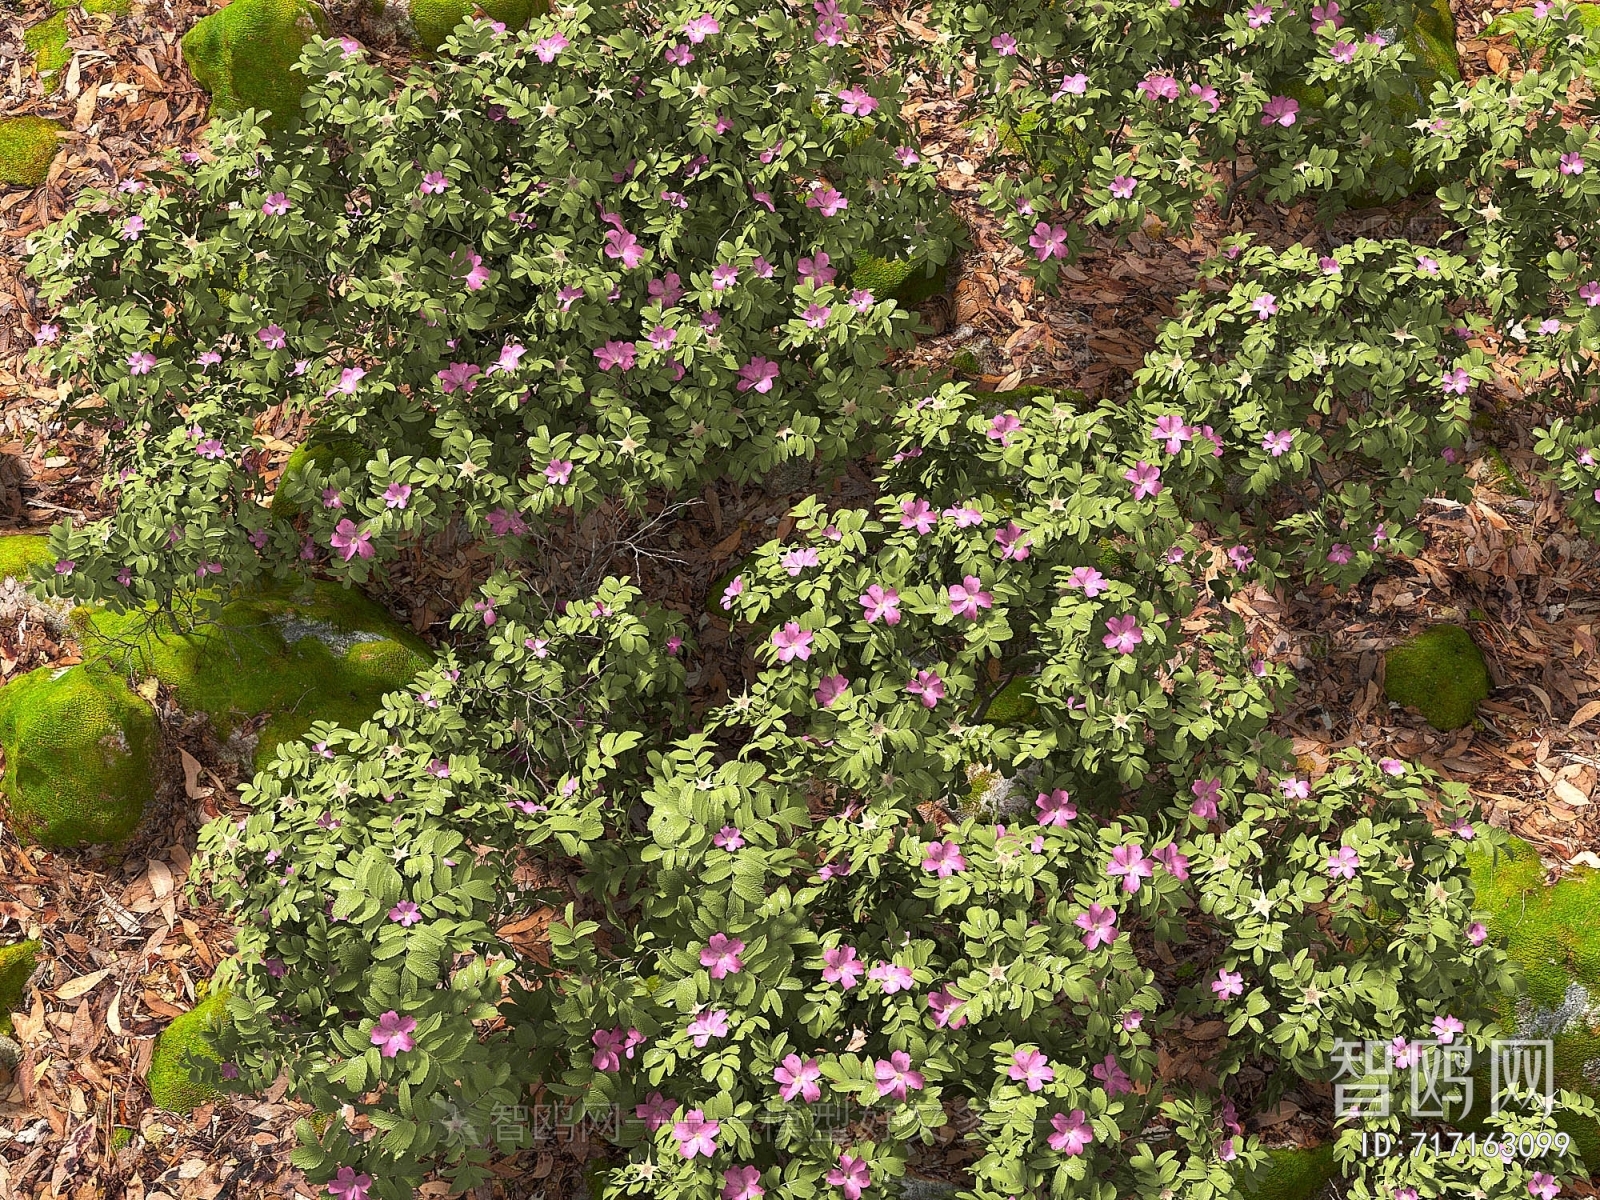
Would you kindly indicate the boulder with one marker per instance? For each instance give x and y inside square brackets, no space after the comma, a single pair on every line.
[171,1077]
[80,754]
[1440,673]
[907,281]
[28,145]
[244,53]
[20,553]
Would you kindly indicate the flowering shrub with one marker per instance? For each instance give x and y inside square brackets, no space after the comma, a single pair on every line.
[1119,109]
[609,253]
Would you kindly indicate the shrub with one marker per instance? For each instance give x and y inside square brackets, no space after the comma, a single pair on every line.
[552,267]
[1440,673]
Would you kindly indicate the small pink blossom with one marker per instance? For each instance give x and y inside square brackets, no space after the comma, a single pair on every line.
[759,373]
[857,102]
[928,687]
[1099,925]
[1344,864]
[852,1176]
[392,1034]
[1228,984]
[1072,1132]
[1122,187]
[1123,634]
[1089,579]
[721,955]
[943,859]
[707,1026]
[841,966]
[347,1185]
[1031,1068]
[1048,241]
[792,642]
[1056,808]
[895,1076]
[830,688]
[696,1135]
[967,597]
[799,1078]
[1280,110]
[1146,479]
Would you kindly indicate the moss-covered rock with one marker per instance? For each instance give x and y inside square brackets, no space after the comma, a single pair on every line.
[1440,673]
[243,55]
[316,458]
[1014,705]
[1292,1173]
[47,42]
[28,145]
[324,654]
[80,754]
[432,21]
[20,553]
[16,964]
[171,1081]
[1549,932]
[907,281]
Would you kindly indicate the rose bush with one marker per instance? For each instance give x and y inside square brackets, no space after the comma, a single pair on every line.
[607,254]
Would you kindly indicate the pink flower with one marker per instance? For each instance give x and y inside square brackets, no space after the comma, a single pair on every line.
[434,183]
[1129,863]
[1264,305]
[827,199]
[1477,933]
[458,375]
[273,337]
[841,966]
[1344,864]
[656,1111]
[1002,427]
[1391,766]
[964,515]
[1343,52]
[1324,13]
[732,592]
[132,228]
[928,686]
[1258,15]
[392,1034]
[1146,479]
[798,559]
[1072,1132]
[792,642]
[895,1076]
[547,48]
[816,269]
[1158,87]
[918,515]
[1175,863]
[397,495]
[722,956]
[503,521]
[696,1135]
[702,27]
[1099,925]
[1056,808]
[478,274]
[799,1079]
[943,859]
[852,1176]
[609,1045]
[623,245]
[1294,788]
[211,448]
[1032,1068]
[558,471]
[857,102]
[943,1005]
[1089,579]
[1123,634]
[1206,792]
[722,277]
[1122,187]
[1049,241]
[893,977]
[567,295]
[1113,1076]
[1241,557]
[1171,430]
[1572,164]
[1073,85]
[880,603]
[966,598]
[510,354]
[1012,541]
[1445,1029]
[707,1026]
[406,913]
[742,1183]
[275,205]
[729,838]
[1543,1186]
[1280,110]
[350,541]
[347,1185]
[830,689]
[615,354]
[1589,293]
[1004,45]
[816,315]
[1206,95]
[1278,443]
[759,373]
[1228,984]
[1340,554]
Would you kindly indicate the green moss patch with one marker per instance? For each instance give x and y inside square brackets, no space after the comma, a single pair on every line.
[1014,705]
[243,55]
[324,654]
[1440,673]
[171,1082]
[80,754]
[435,20]
[16,964]
[1292,1173]
[28,145]
[907,281]
[20,553]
